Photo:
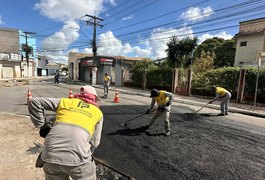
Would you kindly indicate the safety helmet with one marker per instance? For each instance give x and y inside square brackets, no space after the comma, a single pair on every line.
[89,90]
[154,93]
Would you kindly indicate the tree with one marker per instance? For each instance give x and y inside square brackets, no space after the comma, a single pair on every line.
[225,54]
[172,52]
[209,46]
[180,52]
[205,54]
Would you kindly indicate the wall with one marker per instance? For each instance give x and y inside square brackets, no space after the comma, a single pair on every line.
[248,54]
[9,40]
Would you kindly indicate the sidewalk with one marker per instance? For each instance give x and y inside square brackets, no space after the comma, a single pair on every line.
[247,109]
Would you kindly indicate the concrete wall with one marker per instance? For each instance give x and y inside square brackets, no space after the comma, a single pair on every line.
[246,55]
[9,40]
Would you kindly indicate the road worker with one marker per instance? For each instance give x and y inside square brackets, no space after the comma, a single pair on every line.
[74,136]
[164,100]
[106,81]
[224,95]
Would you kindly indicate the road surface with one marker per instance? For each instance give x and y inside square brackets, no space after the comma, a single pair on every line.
[201,146]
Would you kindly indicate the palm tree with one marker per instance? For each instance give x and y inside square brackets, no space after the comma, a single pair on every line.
[180,53]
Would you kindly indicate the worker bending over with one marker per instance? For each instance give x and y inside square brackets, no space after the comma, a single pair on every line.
[164,100]
[76,133]
[224,95]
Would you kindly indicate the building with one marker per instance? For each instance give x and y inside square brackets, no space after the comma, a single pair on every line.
[82,67]
[13,61]
[250,42]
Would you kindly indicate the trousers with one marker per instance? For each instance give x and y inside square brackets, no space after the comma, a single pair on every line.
[60,172]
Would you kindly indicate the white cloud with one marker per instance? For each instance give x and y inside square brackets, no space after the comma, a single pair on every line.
[195,13]
[68,9]
[160,37]
[127,17]
[112,2]
[222,34]
[61,39]
[108,44]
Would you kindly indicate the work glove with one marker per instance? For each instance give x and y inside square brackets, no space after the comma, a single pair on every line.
[168,103]
[148,111]
[44,131]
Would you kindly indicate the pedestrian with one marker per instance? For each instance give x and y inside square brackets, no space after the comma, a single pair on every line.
[164,100]
[76,133]
[224,95]
[106,81]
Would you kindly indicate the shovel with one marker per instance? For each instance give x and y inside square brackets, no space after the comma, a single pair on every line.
[125,124]
[202,108]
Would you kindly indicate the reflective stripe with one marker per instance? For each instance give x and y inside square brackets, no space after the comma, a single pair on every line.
[221,91]
[106,78]
[78,113]
[161,99]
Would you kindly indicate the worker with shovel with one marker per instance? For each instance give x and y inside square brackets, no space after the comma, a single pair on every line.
[164,100]
[224,95]
[75,134]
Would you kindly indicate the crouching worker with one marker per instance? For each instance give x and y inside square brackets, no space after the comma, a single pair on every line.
[75,134]
[164,100]
[224,95]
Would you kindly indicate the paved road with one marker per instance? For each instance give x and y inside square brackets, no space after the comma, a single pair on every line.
[201,146]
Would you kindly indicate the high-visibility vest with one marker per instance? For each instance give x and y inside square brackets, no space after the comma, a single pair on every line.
[221,91]
[106,78]
[161,99]
[79,113]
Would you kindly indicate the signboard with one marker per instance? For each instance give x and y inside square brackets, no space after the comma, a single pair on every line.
[87,62]
[105,61]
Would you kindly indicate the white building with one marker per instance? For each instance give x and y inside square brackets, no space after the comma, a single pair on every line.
[250,42]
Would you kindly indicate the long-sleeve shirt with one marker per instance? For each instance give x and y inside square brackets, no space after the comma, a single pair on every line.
[65,144]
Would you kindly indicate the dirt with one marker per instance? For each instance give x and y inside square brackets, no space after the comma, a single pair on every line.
[20,146]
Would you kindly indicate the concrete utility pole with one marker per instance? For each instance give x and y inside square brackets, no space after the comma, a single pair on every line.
[27,50]
[95,23]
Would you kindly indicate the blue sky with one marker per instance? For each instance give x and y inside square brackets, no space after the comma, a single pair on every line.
[136,28]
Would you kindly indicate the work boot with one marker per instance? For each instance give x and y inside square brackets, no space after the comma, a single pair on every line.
[167,133]
[221,114]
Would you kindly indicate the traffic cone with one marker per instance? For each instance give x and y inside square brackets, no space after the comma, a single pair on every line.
[71,94]
[29,95]
[116,99]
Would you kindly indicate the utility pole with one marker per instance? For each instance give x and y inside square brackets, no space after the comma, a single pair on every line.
[95,23]
[27,50]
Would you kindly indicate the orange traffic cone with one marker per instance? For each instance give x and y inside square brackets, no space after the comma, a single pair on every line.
[116,99]
[71,94]
[29,95]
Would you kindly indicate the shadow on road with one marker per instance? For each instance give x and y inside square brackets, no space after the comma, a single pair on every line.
[129,132]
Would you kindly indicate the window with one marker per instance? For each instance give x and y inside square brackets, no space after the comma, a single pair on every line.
[243,43]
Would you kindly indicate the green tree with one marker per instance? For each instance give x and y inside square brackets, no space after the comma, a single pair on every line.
[180,52]
[172,52]
[225,54]
[205,54]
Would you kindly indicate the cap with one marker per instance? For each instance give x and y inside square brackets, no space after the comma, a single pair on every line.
[89,90]
[154,93]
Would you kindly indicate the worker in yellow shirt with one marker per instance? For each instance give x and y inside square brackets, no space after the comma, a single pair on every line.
[224,95]
[73,137]
[106,81]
